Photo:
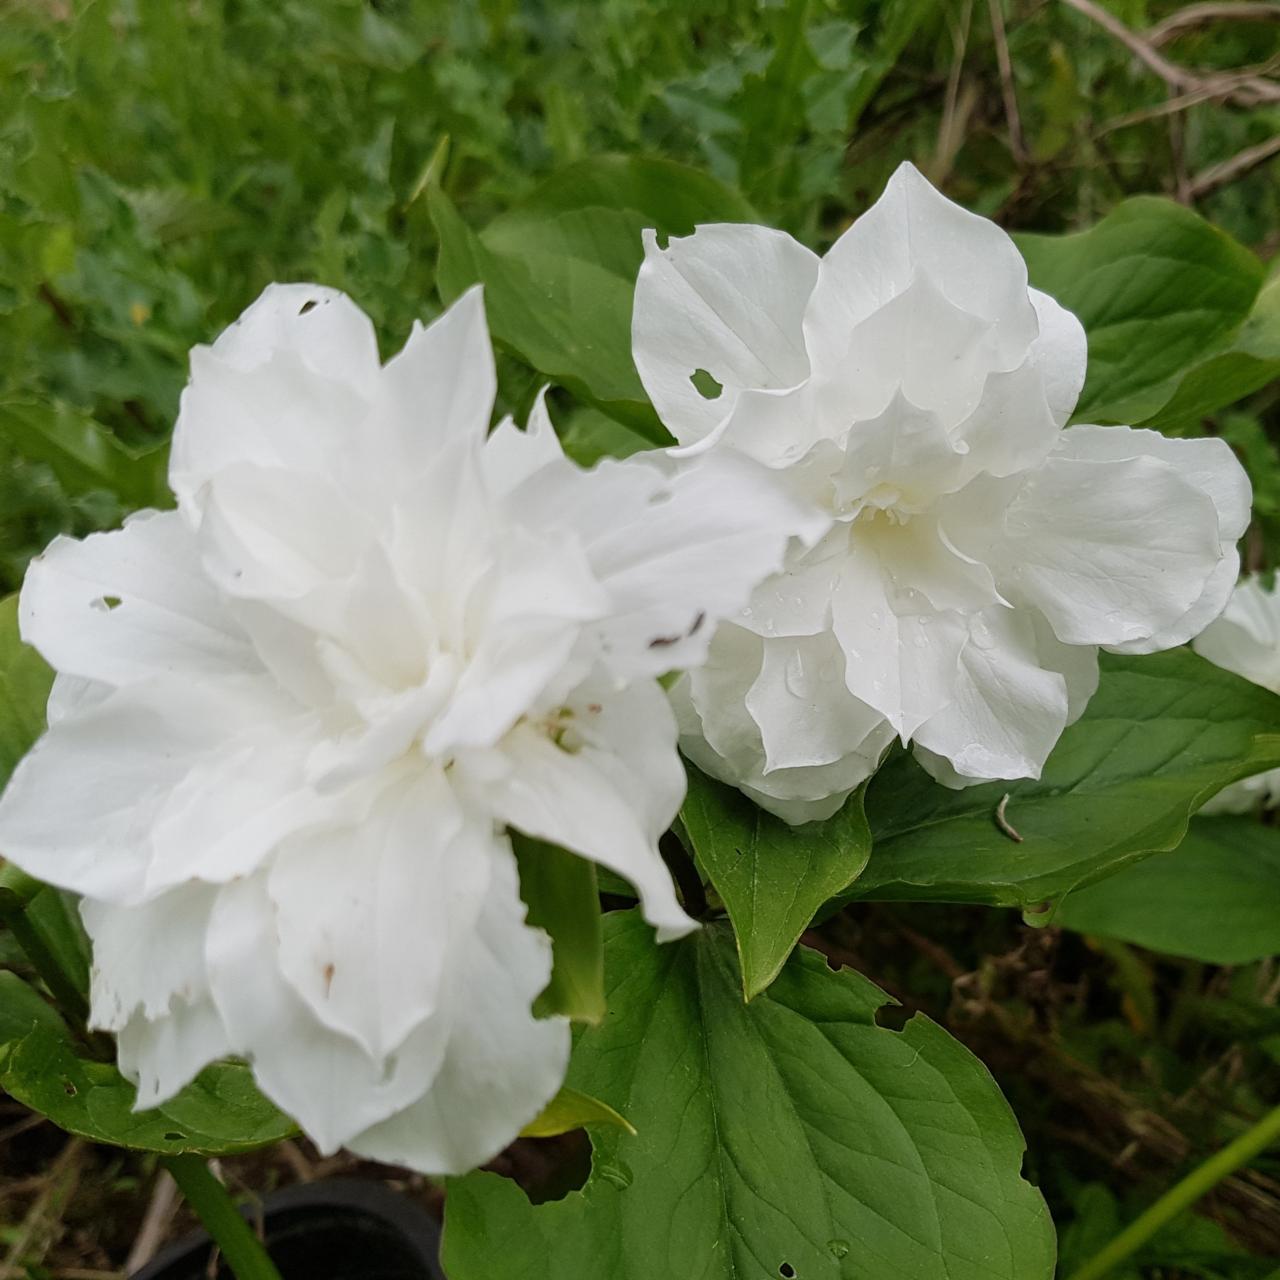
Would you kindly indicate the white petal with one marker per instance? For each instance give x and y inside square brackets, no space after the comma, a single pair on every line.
[369,914]
[163,1055]
[801,795]
[570,798]
[1013,426]
[324,1079]
[288,410]
[914,233]
[1110,552]
[125,754]
[1007,712]
[1059,354]
[806,715]
[901,654]
[441,386]
[1208,464]
[728,300]
[501,1066]
[236,804]
[123,606]
[278,534]
[917,343]
[321,326]
[1246,638]
[511,456]
[676,550]
[127,941]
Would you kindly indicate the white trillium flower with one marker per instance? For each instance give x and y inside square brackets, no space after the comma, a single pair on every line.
[1246,640]
[913,389]
[295,718]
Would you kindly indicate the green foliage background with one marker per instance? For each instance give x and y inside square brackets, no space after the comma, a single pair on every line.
[162,160]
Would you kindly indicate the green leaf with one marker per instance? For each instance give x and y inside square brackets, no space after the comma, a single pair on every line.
[788,1136]
[560,269]
[1216,897]
[559,888]
[591,435]
[570,1110]
[83,454]
[25,682]
[1247,363]
[771,877]
[44,1068]
[1163,733]
[1160,293]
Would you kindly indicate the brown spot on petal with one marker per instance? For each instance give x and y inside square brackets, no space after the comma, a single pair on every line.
[328,977]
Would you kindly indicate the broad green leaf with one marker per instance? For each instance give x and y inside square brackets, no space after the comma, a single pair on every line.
[788,1136]
[1159,291]
[25,681]
[83,454]
[559,270]
[1216,897]
[570,1110]
[559,888]
[45,1068]
[1163,733]
[1248,362]
[771,877]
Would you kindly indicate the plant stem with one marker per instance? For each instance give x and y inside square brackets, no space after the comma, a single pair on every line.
[242,1250]
[1182,1195]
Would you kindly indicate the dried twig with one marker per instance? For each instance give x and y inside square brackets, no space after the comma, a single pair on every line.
[1008,89]
[42,1225]
[1198,15]
[155,1222]
[1218,175]
[955,109]
[1248,90]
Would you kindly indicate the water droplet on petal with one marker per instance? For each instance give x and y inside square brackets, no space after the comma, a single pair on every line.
[794,674]
[828,672]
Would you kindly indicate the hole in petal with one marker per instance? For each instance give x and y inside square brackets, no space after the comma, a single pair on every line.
[104,604]
[309,305]
[705,385]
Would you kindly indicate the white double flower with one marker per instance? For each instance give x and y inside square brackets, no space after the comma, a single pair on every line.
[294,719]
[912,390]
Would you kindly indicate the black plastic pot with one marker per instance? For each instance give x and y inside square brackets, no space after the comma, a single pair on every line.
[341,1229]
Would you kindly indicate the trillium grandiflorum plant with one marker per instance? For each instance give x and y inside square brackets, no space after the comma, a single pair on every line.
[332,744]
[912,390]
[303,709]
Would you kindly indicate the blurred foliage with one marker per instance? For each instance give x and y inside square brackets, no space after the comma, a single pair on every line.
[162,160]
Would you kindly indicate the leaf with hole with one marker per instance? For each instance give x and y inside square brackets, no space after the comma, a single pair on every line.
[789,1135]
[43,1066]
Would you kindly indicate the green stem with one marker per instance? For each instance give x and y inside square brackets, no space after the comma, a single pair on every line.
[242,1250]
[1182,1195]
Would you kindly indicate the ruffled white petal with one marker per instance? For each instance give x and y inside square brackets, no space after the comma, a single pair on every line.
[501,1065]
[729,301]
[1007,711]
[576,795]
[369,914]
[324,1079]
[124,606]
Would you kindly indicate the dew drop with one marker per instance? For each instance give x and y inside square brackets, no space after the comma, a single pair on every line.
[828,672]
[794,675]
